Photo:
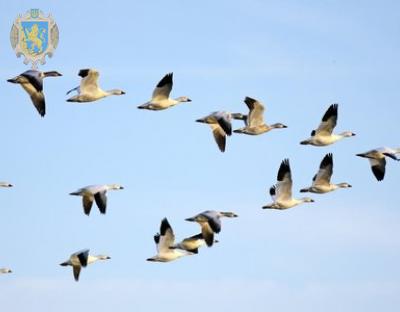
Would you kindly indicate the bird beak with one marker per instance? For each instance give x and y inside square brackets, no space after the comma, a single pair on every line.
[303,142]
[190,219]
[360,155]
[200,120]
[123,92]
[121,187]
[189,100]
[353,134]
[13,80]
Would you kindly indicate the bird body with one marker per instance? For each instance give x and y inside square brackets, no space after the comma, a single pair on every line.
[377,159]
[322,180]
[323,135]
[281,192]
[96,193]
[89,90]
[165,240]
[220,123]
[160,99]
[192,243]
[5,270]
[210,223]
[32,82]
[81,259]
[254,121]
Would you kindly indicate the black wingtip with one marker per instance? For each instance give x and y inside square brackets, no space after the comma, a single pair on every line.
[327,160]
[331,111]
[83,72]
[164,226]
[167,79]
[283,169]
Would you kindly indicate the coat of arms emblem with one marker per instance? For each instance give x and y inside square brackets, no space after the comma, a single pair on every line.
[34,36]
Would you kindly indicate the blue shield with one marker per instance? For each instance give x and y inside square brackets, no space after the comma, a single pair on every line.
[35,36]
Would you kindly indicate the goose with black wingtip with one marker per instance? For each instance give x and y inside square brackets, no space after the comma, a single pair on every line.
[322,180]
[89,89]
[160,99]
[281,192]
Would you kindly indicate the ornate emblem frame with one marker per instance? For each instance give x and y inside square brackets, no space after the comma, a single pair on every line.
[17,33]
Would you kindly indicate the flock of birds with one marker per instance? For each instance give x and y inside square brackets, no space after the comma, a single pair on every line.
[221,126]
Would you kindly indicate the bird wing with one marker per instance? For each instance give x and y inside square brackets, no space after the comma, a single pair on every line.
[329,121]
[77,271]
[256,114]
[163,88]
[208,233]
[378,167]
[283,188]
[87,204]
[325,171]
[213,221]
[101,201]
[89,80]
[82,256]
[224,121]
[34,78]
[34,88]
[38,101]
[167,237]
[219,136]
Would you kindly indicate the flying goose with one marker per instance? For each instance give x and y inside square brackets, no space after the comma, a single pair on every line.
[160,99]
[81,259]
[5,184]
[95,193]
[5,271]
[322,180]
[377,159]
[89,90]
[220,123]
[281,193]
[192,243]
[166,251]
[323,136]
[32,82]
[210,223]
[255,120]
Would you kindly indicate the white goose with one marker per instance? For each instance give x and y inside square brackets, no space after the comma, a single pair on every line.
[377,159]
[323,136]
[96,193]
[255,120]
[5,270]
[220,123]
[210,223]
[160,99]
[192,243]
[32,82]
[89,90]
[166,251]
[81,259]
[322,180]
[281,193]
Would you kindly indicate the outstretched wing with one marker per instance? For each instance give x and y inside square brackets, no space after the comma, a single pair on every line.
[89,80]
[256,114]
[163,88]
[101,201]
[325,171]
[329,121]
[283,188]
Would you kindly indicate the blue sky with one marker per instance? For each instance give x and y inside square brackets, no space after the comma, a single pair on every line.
[339,253]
